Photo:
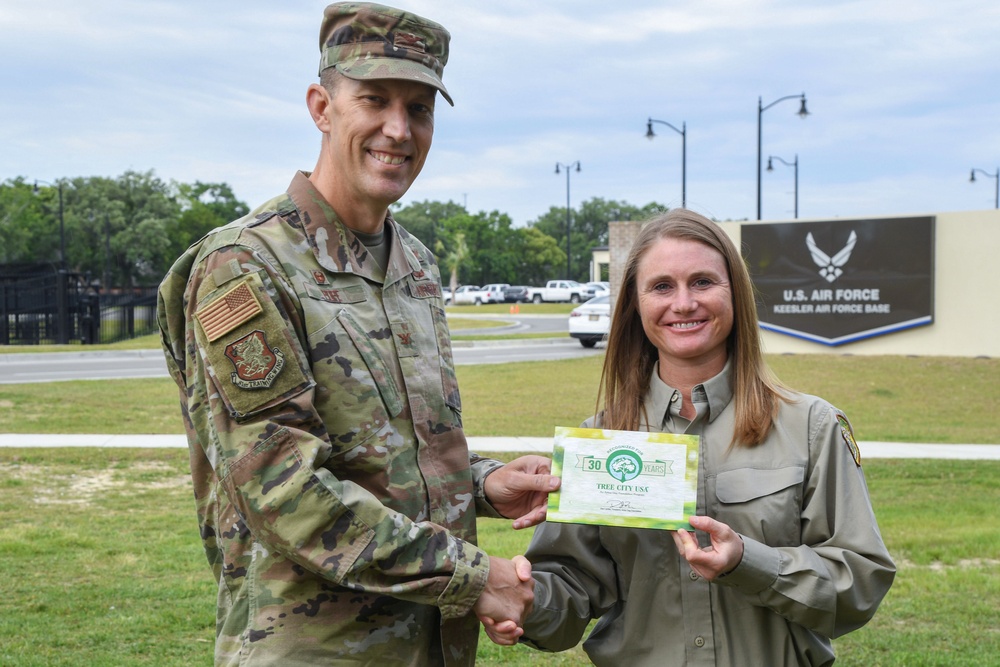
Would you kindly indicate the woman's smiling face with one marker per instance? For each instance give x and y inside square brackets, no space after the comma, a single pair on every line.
[686,303]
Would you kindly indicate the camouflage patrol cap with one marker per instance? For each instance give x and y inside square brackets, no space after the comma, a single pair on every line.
[368,41]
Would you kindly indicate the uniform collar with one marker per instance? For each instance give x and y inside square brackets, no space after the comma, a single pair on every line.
[717,392]
[336,247]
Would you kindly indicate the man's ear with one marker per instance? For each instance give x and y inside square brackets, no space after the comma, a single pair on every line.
[318,102]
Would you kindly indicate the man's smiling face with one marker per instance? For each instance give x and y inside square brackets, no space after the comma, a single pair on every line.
[380,133]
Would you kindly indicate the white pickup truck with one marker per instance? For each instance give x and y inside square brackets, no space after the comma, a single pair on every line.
[473,294]
[559,291]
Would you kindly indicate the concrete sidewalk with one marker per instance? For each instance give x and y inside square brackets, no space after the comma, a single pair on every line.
[869,450]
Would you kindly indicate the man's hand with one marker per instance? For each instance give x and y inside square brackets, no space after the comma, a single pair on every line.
[722,557]
[506,601]
[520,489]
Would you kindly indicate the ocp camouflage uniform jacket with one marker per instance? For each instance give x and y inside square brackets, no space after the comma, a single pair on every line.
[334,488]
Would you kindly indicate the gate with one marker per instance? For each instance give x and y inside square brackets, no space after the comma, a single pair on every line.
[45,306]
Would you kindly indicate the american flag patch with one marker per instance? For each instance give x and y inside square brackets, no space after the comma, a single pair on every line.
[228,311]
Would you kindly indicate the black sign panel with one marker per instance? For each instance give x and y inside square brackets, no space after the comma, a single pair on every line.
[841,281]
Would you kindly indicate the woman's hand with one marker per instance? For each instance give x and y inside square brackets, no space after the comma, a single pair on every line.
[722,557]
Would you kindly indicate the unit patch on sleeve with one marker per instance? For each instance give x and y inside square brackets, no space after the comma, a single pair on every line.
[228,311]
[852,444]
[257,363]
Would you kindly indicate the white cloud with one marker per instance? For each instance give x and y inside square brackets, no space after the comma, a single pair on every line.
[903,99]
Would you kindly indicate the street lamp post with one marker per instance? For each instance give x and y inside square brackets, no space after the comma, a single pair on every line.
[794,163]
[62,224]
[568,168]
[683,132]
[803,112]
[996,177]
[62,289]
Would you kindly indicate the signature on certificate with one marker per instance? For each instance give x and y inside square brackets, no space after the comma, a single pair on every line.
[620,506]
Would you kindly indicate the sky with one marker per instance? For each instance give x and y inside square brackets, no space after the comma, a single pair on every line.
[903,95]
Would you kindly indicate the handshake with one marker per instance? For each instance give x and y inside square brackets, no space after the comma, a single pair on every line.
[507,599]
[518,490]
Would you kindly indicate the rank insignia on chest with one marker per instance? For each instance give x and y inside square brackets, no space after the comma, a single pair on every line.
[406,339]
[257,363]
[852,444]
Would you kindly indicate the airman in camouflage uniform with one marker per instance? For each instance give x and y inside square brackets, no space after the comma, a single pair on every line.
[335,492]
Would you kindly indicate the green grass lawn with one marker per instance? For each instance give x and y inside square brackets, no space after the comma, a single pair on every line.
[887,398]
[101,564]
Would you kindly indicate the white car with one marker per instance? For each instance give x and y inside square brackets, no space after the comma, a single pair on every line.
[598,288]
[589,322]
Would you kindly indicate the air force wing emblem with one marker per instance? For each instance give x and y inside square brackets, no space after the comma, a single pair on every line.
[829,267]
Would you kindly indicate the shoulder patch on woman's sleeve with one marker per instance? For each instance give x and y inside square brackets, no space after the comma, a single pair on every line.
[848,434]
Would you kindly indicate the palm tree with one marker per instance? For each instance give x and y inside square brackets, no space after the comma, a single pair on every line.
[453,260]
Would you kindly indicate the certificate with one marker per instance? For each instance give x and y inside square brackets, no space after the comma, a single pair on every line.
[624,478]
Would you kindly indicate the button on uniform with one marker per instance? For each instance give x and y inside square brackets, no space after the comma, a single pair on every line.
[699,641]
[693,575]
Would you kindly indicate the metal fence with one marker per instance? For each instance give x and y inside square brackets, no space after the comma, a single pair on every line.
[60,307]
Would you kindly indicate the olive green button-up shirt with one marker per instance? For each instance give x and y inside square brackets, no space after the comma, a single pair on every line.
[335,492]
[814,563]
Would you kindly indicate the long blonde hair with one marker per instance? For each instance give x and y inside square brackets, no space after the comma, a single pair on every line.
[629,359]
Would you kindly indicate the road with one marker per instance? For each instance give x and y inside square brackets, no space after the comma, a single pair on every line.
[84,365]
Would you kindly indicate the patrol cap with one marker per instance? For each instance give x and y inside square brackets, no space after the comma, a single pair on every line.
[364,40]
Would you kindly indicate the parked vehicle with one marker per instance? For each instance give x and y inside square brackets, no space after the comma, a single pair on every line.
[473,294]
[559,291]
[494,293]
[446,295]
[516,294]
[589,322]
[466,294]
[598,288]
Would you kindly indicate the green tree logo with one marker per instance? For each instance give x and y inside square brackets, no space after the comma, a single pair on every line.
[624,465]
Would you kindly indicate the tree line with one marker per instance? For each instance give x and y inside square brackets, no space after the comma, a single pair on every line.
[127,230]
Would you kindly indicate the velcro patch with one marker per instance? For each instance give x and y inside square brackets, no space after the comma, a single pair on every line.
[423,290]
[228,311]
[348,294]
[257,363]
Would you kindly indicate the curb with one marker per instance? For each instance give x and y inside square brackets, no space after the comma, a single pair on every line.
[869,450]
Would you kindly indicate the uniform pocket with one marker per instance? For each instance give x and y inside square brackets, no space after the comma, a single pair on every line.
[250,347]
[377,367]
[764,504]
[449,381]
[746,484]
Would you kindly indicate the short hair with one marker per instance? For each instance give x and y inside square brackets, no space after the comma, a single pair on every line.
[630,356]
[328,79]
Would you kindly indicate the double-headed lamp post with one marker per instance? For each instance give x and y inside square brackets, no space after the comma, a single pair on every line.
[761,108]
[996,177]
[683,132]
[62,225]
[568,168]
[794,163]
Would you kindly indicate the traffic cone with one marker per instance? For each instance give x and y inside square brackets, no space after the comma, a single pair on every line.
[517,308]
[512,310]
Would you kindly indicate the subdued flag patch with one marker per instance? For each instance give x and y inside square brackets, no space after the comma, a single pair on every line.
[228,311]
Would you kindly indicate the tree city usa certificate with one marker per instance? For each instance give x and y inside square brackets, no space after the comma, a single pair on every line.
[624,478]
